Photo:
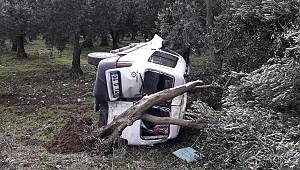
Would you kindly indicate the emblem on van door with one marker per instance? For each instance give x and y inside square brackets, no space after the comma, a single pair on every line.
[133,74]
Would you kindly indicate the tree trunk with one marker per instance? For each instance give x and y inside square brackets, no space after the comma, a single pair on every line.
[133,36]
[198,124]
[186,55]
[209,13]
[14,44]
[121,36]
[88,42]
[115,38]
[76,69]
[216,58]
[20,47]
[104,39]
[2,42]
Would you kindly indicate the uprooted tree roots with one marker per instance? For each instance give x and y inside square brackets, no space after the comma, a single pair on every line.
[78,134]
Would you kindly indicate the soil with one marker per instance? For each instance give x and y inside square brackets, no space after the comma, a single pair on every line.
[72,138]
[7,101]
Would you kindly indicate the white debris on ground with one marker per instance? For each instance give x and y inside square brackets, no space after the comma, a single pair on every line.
[259,126]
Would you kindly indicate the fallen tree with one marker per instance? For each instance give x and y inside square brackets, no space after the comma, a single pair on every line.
[111,132]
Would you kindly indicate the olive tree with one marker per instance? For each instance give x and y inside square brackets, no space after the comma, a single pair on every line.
[234,34]
[66,22]
[19,22]
[148,16]
[113,17]
[2,32]
[124,16]
[183,23]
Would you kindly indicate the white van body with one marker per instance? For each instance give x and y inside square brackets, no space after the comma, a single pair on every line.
[125,86]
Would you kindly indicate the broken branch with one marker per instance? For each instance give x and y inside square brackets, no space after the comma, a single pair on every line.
[83,135]
[114,129]
[199,88]
[198,124]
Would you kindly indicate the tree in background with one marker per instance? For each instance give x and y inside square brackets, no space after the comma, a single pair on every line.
[184,24]
[100,20]
[66,22]
[19,22]
[132,18]
[110,17]
[229,35]
[147,17]
[2,43]
[62,22]
[1,49]
[126,17]
[2,30]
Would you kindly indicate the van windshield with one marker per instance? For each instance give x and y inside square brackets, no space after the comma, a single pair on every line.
[163,59]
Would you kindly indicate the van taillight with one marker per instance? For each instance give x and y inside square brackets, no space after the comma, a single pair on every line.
[123,64]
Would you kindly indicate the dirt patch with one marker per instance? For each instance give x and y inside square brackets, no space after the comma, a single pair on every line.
[72,137]
[9,100]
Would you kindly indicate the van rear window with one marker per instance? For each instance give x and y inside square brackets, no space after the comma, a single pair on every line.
[163,59]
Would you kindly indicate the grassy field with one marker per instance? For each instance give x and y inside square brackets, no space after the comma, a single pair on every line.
[37,95]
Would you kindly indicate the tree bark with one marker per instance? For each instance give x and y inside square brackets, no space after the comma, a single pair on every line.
[209,13]
[199,88]
[88,42]
[14,44]
[2,42]
[20,47]
[115,128]
[186,55]
[216,58]
[115,38]
[198,124]
[76,69]
[121,36]
[133,35]
[104,39]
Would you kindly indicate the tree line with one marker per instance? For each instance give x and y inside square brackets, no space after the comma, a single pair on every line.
[225,34]
[62,22]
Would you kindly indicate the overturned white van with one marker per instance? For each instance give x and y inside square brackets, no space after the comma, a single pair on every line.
[142,69]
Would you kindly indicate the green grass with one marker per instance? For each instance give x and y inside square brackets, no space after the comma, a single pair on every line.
[40,124]
[35,76]
[39,57]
